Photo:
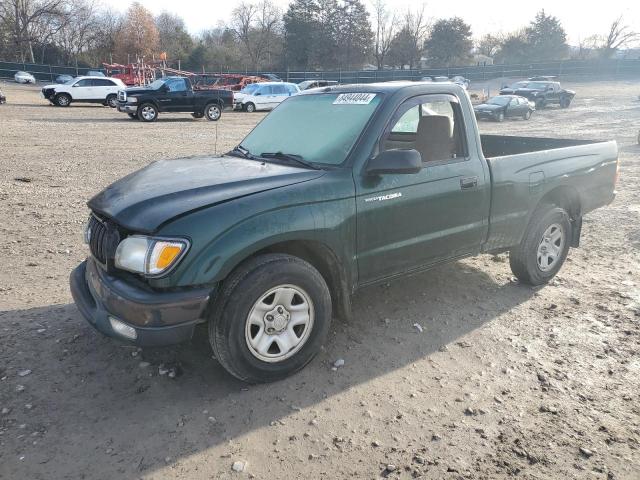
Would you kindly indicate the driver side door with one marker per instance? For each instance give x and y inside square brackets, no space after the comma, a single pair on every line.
[82,89]
[406,222]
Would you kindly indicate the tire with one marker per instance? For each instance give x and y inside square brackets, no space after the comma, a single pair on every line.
[132,116]
[529,262]
[500,117]
[527,115]
[249,107]
[197,115]
[565,102]
[62,99]
[147,112]
[213,112]
[249,292]
[112,101]
[541,103]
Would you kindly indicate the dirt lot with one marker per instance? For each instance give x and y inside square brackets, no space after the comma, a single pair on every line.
[504,381]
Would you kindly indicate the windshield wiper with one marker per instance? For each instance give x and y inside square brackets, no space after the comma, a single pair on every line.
[290,157]
[244,152]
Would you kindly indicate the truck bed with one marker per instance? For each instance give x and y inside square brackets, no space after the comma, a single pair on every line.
[525,171]
[502,145]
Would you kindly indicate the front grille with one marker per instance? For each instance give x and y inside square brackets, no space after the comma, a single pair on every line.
[103,239]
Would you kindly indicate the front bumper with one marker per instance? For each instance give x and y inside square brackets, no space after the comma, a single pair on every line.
[490,115]
[128,108]
[159,318]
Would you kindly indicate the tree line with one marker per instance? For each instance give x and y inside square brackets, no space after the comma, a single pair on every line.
[309,35]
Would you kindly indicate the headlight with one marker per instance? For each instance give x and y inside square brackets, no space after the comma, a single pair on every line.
[132,99]
[149,256]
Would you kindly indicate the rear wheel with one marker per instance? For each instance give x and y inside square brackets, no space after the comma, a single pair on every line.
[213,112]
[147,112]
[544,247]
[112,101]
[500,117]
[271,318]
[250,107]
[62,99]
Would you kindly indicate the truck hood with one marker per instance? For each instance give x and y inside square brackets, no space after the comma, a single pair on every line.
[138,90]
[146,199]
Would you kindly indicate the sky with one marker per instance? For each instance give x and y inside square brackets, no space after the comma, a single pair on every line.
[581,19]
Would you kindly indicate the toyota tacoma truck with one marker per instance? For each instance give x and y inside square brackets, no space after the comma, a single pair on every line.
[336,189]
[170,95]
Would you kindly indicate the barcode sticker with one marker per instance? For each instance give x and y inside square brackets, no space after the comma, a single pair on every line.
[354,99]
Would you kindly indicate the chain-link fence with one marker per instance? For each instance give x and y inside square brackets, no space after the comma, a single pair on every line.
[572,69]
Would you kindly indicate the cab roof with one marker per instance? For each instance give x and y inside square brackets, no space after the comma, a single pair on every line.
[391,88]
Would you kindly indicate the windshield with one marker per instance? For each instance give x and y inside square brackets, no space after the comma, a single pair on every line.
[502,101]
[250,88]
[320,128]
[305,84]
[156,84]
[70,81]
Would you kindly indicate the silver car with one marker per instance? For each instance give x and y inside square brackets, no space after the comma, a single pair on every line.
[24,77]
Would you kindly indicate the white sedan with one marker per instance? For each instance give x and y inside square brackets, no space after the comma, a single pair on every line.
[86,90]
[24,77]
[263,96]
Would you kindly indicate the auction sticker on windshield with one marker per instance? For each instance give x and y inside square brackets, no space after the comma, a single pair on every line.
[354,99]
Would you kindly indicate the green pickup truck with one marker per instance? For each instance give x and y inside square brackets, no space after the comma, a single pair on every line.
[336,189]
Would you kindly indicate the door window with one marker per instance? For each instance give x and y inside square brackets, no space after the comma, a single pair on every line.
[86,82]
[102,82]
[433,127]
[177,85]
[279,90]
[266,90]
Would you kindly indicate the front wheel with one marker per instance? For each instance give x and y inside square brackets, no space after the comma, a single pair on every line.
[527,115]
[250,107]
[62,100]
[565,102]
[213,112]
[271,318]
[147,112]
[544,247]
[500,117]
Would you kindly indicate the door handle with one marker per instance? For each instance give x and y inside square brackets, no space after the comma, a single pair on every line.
[468,182]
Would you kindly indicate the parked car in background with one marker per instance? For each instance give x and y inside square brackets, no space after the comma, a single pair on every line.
[462,81]
[84,90]
[271,76]
[504,106]
[173,95]
[64,78]
[95,73]
[541,93]
[309,84]
[332,192]
[264,96]
[3,99]
[24,77]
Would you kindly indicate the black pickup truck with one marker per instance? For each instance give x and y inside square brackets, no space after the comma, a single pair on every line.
[542,93]
[336,189]
[173,94]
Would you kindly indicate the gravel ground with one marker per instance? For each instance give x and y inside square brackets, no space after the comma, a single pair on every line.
[504,380]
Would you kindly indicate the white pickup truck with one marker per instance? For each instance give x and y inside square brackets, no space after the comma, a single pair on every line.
[85,89]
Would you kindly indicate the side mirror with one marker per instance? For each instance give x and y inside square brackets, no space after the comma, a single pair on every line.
[395,161]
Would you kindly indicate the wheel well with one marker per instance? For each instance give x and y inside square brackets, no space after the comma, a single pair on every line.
[327,263]
[564,197]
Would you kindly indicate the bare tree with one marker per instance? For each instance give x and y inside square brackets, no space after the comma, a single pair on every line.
[32,22]
[79,33]
[384,25]
[257,27]
[619,36]
[489,44]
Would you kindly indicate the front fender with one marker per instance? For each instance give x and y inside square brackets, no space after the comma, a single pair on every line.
[321,211]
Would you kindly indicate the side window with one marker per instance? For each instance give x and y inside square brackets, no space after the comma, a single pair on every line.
[291,89]
[97,82]
[266,90]
[86,82]
[177,85]
[433,127]
[279,90]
